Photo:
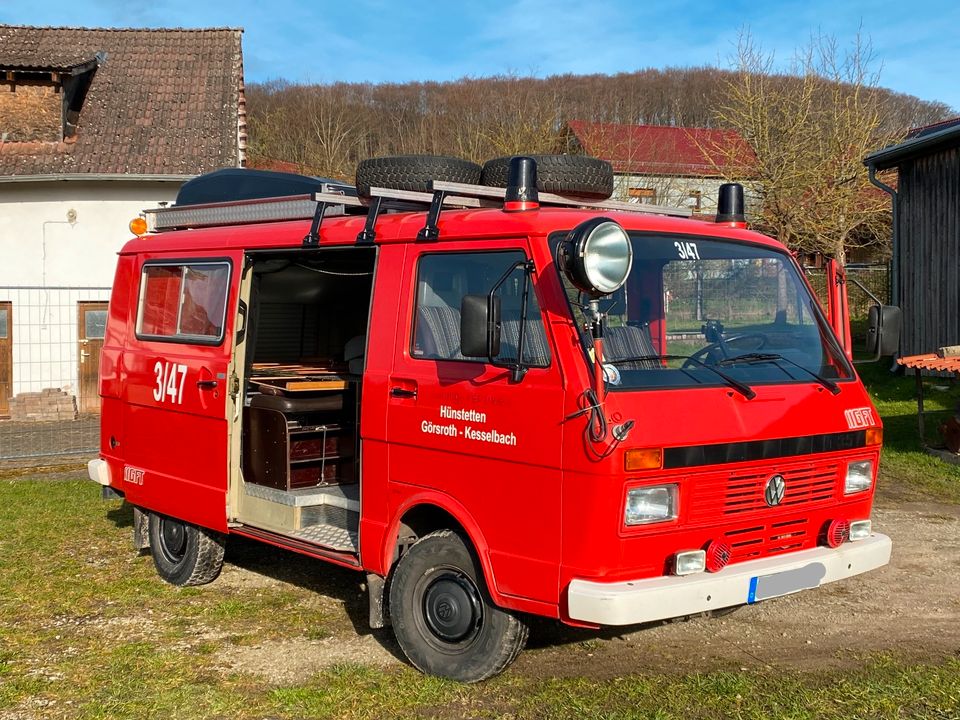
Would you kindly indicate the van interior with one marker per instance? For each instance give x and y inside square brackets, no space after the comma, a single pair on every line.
[304,359]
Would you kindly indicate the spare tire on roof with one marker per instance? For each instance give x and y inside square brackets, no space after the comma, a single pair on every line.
[413,172]
[579,175]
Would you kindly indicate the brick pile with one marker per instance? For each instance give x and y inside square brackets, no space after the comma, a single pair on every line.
[48,404]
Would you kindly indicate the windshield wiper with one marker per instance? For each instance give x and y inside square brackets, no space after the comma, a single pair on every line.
[748,358]
[744,390]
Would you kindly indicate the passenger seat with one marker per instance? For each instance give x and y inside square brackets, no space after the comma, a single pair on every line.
[353,354]
[438,332]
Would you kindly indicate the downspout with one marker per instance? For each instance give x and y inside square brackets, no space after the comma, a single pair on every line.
[895,235]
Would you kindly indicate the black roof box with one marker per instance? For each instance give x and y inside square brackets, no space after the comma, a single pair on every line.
[231,184]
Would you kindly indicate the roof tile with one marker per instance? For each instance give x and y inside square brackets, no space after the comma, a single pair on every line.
[662,149]
[181,86]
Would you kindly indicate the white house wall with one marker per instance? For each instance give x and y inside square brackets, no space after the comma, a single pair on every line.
[675,191]
[51,259]
[671,191]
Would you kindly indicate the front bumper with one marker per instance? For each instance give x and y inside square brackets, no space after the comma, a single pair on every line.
[640,601]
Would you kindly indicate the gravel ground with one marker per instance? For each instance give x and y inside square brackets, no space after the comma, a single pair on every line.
[910,608]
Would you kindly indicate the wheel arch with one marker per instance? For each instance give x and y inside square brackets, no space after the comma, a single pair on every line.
[427,512]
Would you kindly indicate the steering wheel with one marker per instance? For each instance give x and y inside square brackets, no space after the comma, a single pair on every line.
[720,350]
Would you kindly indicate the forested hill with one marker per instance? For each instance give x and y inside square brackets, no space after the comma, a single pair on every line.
[327,128]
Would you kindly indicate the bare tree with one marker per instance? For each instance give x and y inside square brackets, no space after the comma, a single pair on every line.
[809,131]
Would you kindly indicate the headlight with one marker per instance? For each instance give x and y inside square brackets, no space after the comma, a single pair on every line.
[597,256]
[653,504]
[859,476]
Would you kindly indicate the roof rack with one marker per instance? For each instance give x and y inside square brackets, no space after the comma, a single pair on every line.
[332,202]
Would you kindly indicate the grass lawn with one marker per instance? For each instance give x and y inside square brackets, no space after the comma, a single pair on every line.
[904,465]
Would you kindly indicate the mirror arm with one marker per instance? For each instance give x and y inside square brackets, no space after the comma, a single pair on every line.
[864,288]
[518,370]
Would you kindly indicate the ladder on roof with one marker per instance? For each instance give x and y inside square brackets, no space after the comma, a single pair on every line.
[332,204]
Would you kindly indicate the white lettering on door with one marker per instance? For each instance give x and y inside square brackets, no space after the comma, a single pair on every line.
[169,388]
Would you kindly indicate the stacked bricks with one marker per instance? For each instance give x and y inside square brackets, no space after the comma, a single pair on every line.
[48,404]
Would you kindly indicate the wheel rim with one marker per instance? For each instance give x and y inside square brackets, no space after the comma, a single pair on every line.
[173,540]
[452,608]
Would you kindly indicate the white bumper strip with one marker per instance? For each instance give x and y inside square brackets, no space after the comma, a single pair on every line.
[639,601]
[99,472]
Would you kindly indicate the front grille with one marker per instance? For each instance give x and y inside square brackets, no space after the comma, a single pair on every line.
[726,495]
[767,539]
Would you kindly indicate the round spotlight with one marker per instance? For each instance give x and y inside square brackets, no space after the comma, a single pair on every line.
[838,532]
[597,256]
[718,555]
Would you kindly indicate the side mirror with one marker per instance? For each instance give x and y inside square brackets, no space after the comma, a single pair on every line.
[480,326]
[883,330]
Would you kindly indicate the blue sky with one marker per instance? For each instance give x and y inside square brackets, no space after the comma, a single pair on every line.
[380,41]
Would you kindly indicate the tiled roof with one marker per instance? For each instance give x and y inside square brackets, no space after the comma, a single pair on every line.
[663,150]
[161,102]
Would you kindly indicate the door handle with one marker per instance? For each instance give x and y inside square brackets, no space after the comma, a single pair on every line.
[206,384]
[399,392]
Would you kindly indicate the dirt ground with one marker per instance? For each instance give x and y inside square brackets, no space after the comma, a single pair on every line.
[911,608]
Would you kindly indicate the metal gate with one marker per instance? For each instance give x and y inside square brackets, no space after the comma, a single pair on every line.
[49,406]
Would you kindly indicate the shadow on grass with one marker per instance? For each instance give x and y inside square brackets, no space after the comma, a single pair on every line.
[122,515]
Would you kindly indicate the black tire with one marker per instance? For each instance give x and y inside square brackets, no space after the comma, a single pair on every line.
[184,554]
[413,172]
[443,617]
[579,175]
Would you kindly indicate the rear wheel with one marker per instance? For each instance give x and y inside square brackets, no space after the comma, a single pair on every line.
[413,172]
[184,554]
[579,175]
[443,617]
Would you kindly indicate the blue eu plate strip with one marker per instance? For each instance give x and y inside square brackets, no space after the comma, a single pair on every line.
[752,594]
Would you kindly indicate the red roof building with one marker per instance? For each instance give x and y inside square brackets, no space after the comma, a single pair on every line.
[664,165]
[662,149]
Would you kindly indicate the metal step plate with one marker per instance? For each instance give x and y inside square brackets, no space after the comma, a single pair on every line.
[329,536]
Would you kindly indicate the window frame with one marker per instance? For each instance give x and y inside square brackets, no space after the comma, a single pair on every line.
[485,361]
[556,237]
[183,338]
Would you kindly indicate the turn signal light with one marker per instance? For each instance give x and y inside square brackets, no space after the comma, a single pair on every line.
[138,226]
[643,459]
[875,436]
[838,532]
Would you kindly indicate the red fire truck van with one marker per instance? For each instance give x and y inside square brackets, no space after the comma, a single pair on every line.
[493,391]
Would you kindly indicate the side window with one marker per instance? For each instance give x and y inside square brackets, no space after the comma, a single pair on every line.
[185,302]
[442,281]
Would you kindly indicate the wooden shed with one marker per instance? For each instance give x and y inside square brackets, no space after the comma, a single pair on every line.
[926,234]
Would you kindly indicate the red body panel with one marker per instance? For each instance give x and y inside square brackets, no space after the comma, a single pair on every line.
[540,512]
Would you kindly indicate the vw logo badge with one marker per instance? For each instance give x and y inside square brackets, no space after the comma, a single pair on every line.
[775,490]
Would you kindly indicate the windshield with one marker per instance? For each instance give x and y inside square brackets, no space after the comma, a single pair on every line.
[708,312]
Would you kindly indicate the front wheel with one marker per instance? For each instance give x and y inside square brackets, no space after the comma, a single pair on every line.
[184,554]
[443,617]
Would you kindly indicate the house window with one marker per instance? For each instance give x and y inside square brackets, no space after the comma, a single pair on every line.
[648,196]
[183,302]
[30,108]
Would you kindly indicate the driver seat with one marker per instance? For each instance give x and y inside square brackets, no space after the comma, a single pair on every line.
[630,341]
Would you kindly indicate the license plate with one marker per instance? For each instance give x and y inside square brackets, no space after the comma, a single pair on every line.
[763,587]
